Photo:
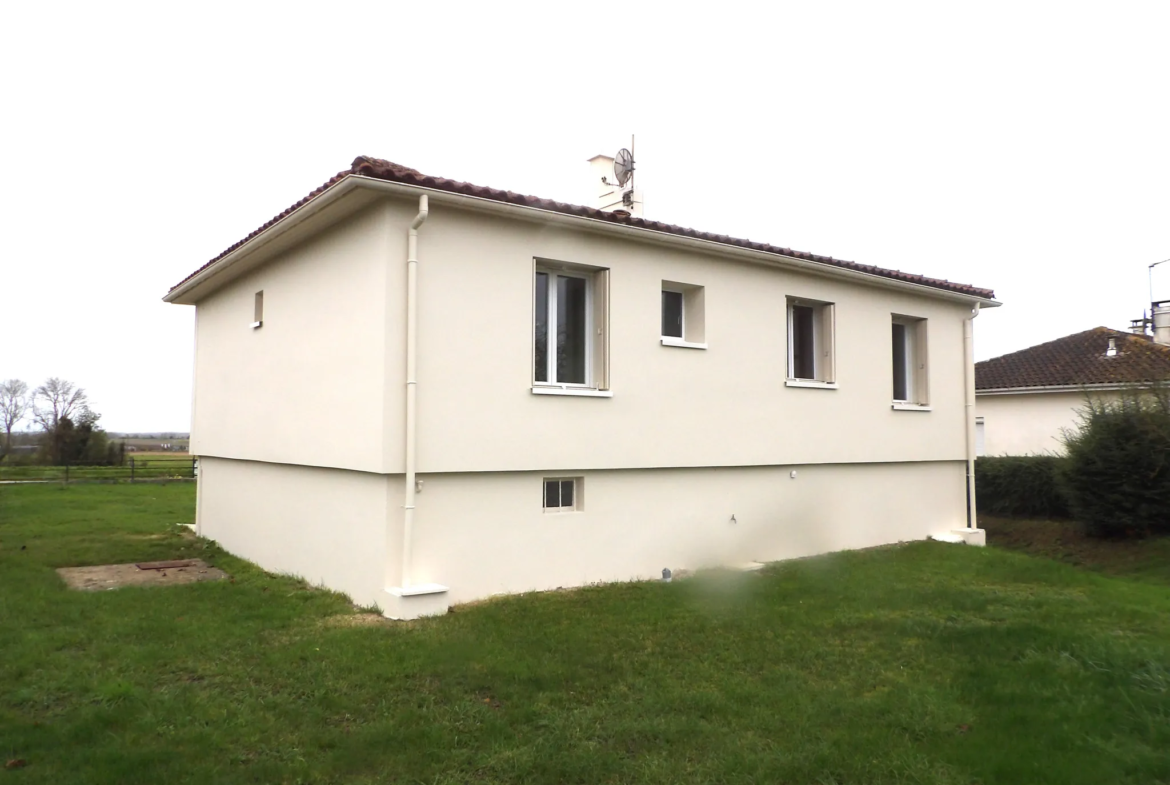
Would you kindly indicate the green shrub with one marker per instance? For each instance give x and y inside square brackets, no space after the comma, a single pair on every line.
[1022,486]
[1117,475]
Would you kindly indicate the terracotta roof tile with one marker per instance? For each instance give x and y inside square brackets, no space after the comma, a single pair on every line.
[392,172]
[1078,360]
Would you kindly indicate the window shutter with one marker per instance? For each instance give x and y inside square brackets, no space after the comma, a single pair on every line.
[601,329]
[828,347]
[922,364]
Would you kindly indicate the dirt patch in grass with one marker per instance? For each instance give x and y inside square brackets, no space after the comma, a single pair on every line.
[114,576]
[1066,541]
[355,620]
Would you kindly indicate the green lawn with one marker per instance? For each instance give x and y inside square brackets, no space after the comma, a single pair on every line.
[926,663]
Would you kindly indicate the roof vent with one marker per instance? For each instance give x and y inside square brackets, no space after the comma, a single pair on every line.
[1112,350]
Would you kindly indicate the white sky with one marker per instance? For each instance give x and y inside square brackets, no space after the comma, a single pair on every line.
[1020,146]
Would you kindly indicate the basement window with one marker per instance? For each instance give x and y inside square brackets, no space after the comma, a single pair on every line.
[562,494]
[683,322]
[908,340]
[258,310]
[810,343]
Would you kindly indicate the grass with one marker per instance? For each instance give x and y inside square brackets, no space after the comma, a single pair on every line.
[1066,541]
[925,663]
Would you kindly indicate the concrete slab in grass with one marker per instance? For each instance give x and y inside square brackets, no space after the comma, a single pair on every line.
[115,576]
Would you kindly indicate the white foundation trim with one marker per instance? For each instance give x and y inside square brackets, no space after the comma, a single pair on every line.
[976,537]
[421,588]
[404,603]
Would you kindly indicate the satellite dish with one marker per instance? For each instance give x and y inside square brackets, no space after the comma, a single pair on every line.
[623,167]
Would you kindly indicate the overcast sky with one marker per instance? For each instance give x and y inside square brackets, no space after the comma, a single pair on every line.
[1018,146]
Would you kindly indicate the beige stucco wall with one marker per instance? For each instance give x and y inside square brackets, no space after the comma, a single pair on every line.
[485,533]
[327,526]
[1029,423]
[308,387]
[300,422]
[321,383]
[727,405]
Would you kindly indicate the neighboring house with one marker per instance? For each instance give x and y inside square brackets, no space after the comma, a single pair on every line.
[1026,400]
[419,391]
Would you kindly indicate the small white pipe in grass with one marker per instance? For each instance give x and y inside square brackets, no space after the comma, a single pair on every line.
[969,394]
[411,382]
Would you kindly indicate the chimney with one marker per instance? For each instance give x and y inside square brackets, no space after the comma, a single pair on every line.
[1161,317]
[607,195]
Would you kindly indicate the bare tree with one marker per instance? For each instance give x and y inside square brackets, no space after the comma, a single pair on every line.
[56,400]
[14,402]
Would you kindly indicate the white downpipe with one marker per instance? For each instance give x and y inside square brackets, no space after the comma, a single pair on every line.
[411,382]
[969,395]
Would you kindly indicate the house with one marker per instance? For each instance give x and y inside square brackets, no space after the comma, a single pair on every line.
[420,391]
[1027,399]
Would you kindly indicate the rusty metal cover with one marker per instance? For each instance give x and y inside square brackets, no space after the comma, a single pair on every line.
[165,565]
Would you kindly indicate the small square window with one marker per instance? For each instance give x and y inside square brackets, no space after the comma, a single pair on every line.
[908,343]
[683,322]
[562,494]
[810,341]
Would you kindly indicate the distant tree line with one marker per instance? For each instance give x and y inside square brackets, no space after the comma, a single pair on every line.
[68,430]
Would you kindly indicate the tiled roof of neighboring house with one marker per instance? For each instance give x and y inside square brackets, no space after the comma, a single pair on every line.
[1078,360]
[392,172]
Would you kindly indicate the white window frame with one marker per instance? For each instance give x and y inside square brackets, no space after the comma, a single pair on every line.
[682,305]
[916,371]
[577,498]
[553,272]
[694,317]
[824,349]
[257,310]
[980,437]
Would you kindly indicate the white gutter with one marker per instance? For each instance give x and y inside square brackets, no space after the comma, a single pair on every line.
[969,395]
[1066,388]
[525,212]
[411,382]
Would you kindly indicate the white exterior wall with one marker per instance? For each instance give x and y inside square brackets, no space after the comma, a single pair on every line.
[727,405]
[1030,423]
[486,533]
[327,526]
[309,386]
[300,423]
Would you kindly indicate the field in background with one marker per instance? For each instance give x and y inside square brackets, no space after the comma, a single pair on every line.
[924,663]
[136,468]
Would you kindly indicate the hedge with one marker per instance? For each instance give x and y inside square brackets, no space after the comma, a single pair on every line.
[1117,474]
[1025,486]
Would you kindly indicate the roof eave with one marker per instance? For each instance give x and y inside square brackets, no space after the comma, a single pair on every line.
[180,294]
[1066,388]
